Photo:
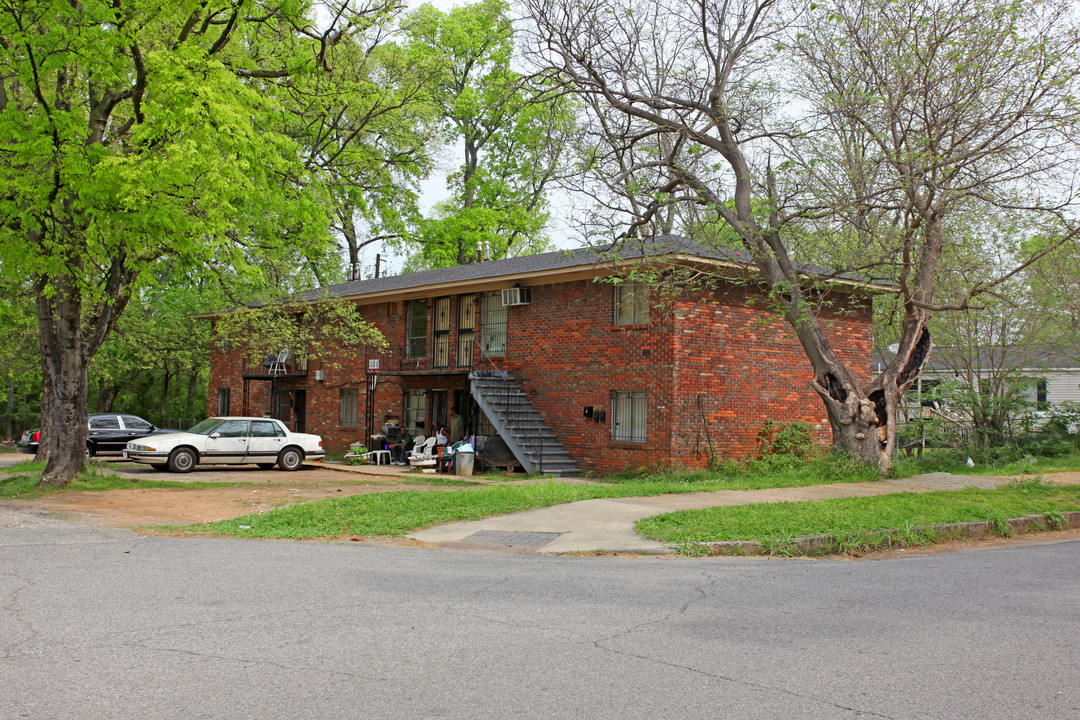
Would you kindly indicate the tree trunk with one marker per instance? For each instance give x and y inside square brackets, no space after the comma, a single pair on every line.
[193,386]
[106,397]
[65,364]
[8,423]
[164,393]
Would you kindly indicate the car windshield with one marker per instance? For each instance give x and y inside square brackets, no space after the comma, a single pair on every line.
[206,426]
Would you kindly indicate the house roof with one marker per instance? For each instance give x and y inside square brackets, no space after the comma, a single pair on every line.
[558,266]
[1024,358]
[1021,357]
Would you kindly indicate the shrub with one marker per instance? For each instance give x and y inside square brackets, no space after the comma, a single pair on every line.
[793,439]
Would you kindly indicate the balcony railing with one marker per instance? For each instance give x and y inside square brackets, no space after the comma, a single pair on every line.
[442,355]
[271,368]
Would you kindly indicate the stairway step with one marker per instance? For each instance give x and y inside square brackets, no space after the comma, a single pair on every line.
[521,425]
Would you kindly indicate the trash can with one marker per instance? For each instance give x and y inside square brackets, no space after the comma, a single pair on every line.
[464,459]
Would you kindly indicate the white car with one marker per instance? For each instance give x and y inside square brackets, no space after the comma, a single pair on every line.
[232,440]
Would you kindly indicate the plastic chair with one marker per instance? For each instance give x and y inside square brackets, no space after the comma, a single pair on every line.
[423,453]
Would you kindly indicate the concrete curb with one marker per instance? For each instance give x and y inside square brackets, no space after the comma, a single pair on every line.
[828,544]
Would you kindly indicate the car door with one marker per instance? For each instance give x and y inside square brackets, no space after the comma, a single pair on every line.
[134,428]
[265,441]
[228,443]
[105,433]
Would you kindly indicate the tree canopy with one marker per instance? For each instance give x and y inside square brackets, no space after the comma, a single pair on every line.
[136,131]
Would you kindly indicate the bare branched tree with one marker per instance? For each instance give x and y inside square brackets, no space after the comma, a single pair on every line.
[927,104]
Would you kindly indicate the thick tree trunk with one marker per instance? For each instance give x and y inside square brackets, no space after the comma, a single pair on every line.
[65,363]
[46,425]
[864,420]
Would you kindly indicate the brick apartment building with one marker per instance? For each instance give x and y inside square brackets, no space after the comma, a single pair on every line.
[574,373]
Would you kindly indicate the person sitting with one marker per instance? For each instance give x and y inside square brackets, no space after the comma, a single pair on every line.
[399,451]
[441,436]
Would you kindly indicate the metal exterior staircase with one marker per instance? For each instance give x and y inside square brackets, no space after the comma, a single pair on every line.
[519,425]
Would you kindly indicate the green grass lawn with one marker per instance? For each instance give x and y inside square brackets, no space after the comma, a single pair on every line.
[21,481]
[859,523]
[394,514]
[397,513]
[947,461]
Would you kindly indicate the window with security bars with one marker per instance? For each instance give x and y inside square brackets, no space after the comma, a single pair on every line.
[441,335]
[466,324]
[631,303]
[349,401]
[493,324]
[628,417]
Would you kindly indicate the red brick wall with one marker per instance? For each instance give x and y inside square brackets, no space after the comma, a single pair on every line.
[714,369]
[740,365]
[567,353]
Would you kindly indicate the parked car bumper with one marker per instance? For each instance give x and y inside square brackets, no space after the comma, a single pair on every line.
[29,447]
[145,456]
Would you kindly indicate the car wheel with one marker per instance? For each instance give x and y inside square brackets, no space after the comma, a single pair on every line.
[89,450]
[160,467]
[265,466]
[290,458]
[182,460]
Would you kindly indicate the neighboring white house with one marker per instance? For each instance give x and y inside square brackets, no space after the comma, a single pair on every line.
[1051,374]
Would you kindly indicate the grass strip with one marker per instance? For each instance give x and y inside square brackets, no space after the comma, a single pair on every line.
[394,514]
[859,523]
[937,460]
[21,481]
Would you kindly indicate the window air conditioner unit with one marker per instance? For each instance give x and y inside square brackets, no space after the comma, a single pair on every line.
[516,296]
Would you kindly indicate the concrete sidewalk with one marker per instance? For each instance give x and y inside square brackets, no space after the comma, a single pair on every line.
[607,525]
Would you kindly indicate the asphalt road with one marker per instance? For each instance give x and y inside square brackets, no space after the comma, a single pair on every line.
[108,624]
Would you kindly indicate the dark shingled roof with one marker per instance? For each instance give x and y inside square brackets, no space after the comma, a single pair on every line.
[629,249]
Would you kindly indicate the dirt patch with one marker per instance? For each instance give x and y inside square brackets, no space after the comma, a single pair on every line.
[262,490]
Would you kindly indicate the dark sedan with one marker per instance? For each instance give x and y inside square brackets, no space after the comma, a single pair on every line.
[105,433]
[29,441]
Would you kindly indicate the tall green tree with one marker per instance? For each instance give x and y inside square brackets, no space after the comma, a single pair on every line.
[133,131]
[366,130]
[511,135]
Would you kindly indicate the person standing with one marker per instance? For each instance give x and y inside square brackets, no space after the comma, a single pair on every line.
[457,426]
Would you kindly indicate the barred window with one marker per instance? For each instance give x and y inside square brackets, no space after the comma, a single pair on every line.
[349,401]
[631,303]
[628,417]
[493,328]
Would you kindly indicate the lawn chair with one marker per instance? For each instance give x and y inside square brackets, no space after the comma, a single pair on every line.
[423,453]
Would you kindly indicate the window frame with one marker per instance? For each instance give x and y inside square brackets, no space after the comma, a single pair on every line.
[415,338]
[629,408]
[349,407]
[415,415]
[224,399]
[494,319]
[631,306]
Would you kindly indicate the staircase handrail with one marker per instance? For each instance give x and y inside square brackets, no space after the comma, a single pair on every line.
[508,385]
